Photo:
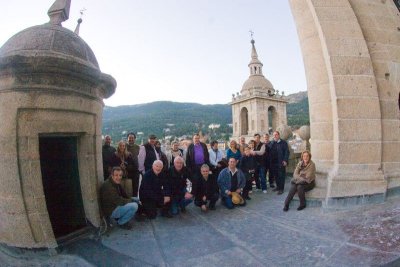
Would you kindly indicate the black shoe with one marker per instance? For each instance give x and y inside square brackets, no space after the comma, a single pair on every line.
[166,215]
[286,208]
[280,192]
[301,207]
[127,226]
[272,186]
[247,198]
[151,217]
[211,207]
[140,217]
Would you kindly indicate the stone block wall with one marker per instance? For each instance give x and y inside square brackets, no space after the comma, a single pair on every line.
[350,50]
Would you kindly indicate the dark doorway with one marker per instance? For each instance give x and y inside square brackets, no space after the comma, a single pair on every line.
[60,176]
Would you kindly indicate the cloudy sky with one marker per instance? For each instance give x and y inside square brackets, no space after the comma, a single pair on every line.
[177,50]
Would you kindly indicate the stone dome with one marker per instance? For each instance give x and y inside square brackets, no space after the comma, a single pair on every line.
[50,41]
[257,81]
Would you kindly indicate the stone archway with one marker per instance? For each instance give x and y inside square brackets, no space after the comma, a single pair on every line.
[244,121]
[272,118]
[352,65]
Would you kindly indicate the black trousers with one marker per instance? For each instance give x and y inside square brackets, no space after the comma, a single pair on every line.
[249,184]
[149,207]
[211,198]
[279,174]
[300,189]
[135,184]
[271,179]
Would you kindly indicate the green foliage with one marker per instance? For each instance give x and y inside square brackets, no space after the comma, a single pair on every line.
[298,113]
[187,118]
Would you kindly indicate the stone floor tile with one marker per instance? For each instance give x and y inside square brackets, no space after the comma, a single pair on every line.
[230,257]
[353,256]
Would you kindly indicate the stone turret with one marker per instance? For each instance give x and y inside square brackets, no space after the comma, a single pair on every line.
[51,103]
[257,103]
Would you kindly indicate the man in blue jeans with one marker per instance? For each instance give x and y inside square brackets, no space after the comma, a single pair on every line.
[260,153]
[231,179]
[115,203]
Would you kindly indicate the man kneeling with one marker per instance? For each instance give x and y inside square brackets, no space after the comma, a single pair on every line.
[115,202]
[205,189]
[153,192]
[231,182]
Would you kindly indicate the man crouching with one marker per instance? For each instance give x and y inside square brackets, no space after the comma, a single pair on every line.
[153,192]
[205,189]
[231,182]
[115,203]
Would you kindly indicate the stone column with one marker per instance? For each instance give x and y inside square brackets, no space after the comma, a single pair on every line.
[345,114]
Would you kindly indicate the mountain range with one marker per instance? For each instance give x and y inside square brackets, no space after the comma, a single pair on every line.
[166,118]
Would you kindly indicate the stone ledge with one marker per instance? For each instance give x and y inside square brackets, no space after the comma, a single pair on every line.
[393,192]
[348,202]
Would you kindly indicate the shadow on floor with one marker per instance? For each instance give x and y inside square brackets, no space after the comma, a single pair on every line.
[99,255]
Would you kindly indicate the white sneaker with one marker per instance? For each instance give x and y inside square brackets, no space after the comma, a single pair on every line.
[264,191]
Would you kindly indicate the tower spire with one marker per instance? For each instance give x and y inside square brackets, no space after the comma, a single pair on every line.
[255,65]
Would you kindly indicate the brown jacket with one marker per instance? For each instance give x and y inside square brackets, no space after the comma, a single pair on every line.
[112,195]
[304,173]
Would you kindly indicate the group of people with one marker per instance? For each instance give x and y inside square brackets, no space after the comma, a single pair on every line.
[172,181]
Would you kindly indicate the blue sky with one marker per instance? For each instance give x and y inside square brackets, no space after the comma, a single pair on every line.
[177,50]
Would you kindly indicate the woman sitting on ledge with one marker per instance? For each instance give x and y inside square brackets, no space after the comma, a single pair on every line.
[303,180]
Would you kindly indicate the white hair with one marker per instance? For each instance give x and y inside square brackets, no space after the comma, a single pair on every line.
[179,158]
[158,162]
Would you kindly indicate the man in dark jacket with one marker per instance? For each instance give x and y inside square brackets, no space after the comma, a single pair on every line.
[205,189]
[180,186]
[133,167]
[279,156]
[196,156]
[114,201]
[107,153]
[248,165]
[260,154]
[231,180]
[267,162]
[153,192]
[148,154]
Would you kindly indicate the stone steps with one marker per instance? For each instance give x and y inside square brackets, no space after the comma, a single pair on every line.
[315,197]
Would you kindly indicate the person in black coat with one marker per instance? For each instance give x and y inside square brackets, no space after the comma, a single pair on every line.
[180,186]
[154,192]
[248,165]
[107,153]
[279,156]
[205,189]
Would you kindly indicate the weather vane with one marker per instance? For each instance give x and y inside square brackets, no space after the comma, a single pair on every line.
[251,34]
[82,11]
[79,21]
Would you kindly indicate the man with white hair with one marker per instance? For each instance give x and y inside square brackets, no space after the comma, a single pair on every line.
[180,186]
[153,192]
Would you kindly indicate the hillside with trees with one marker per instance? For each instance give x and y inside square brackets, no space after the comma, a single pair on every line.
[166,118]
